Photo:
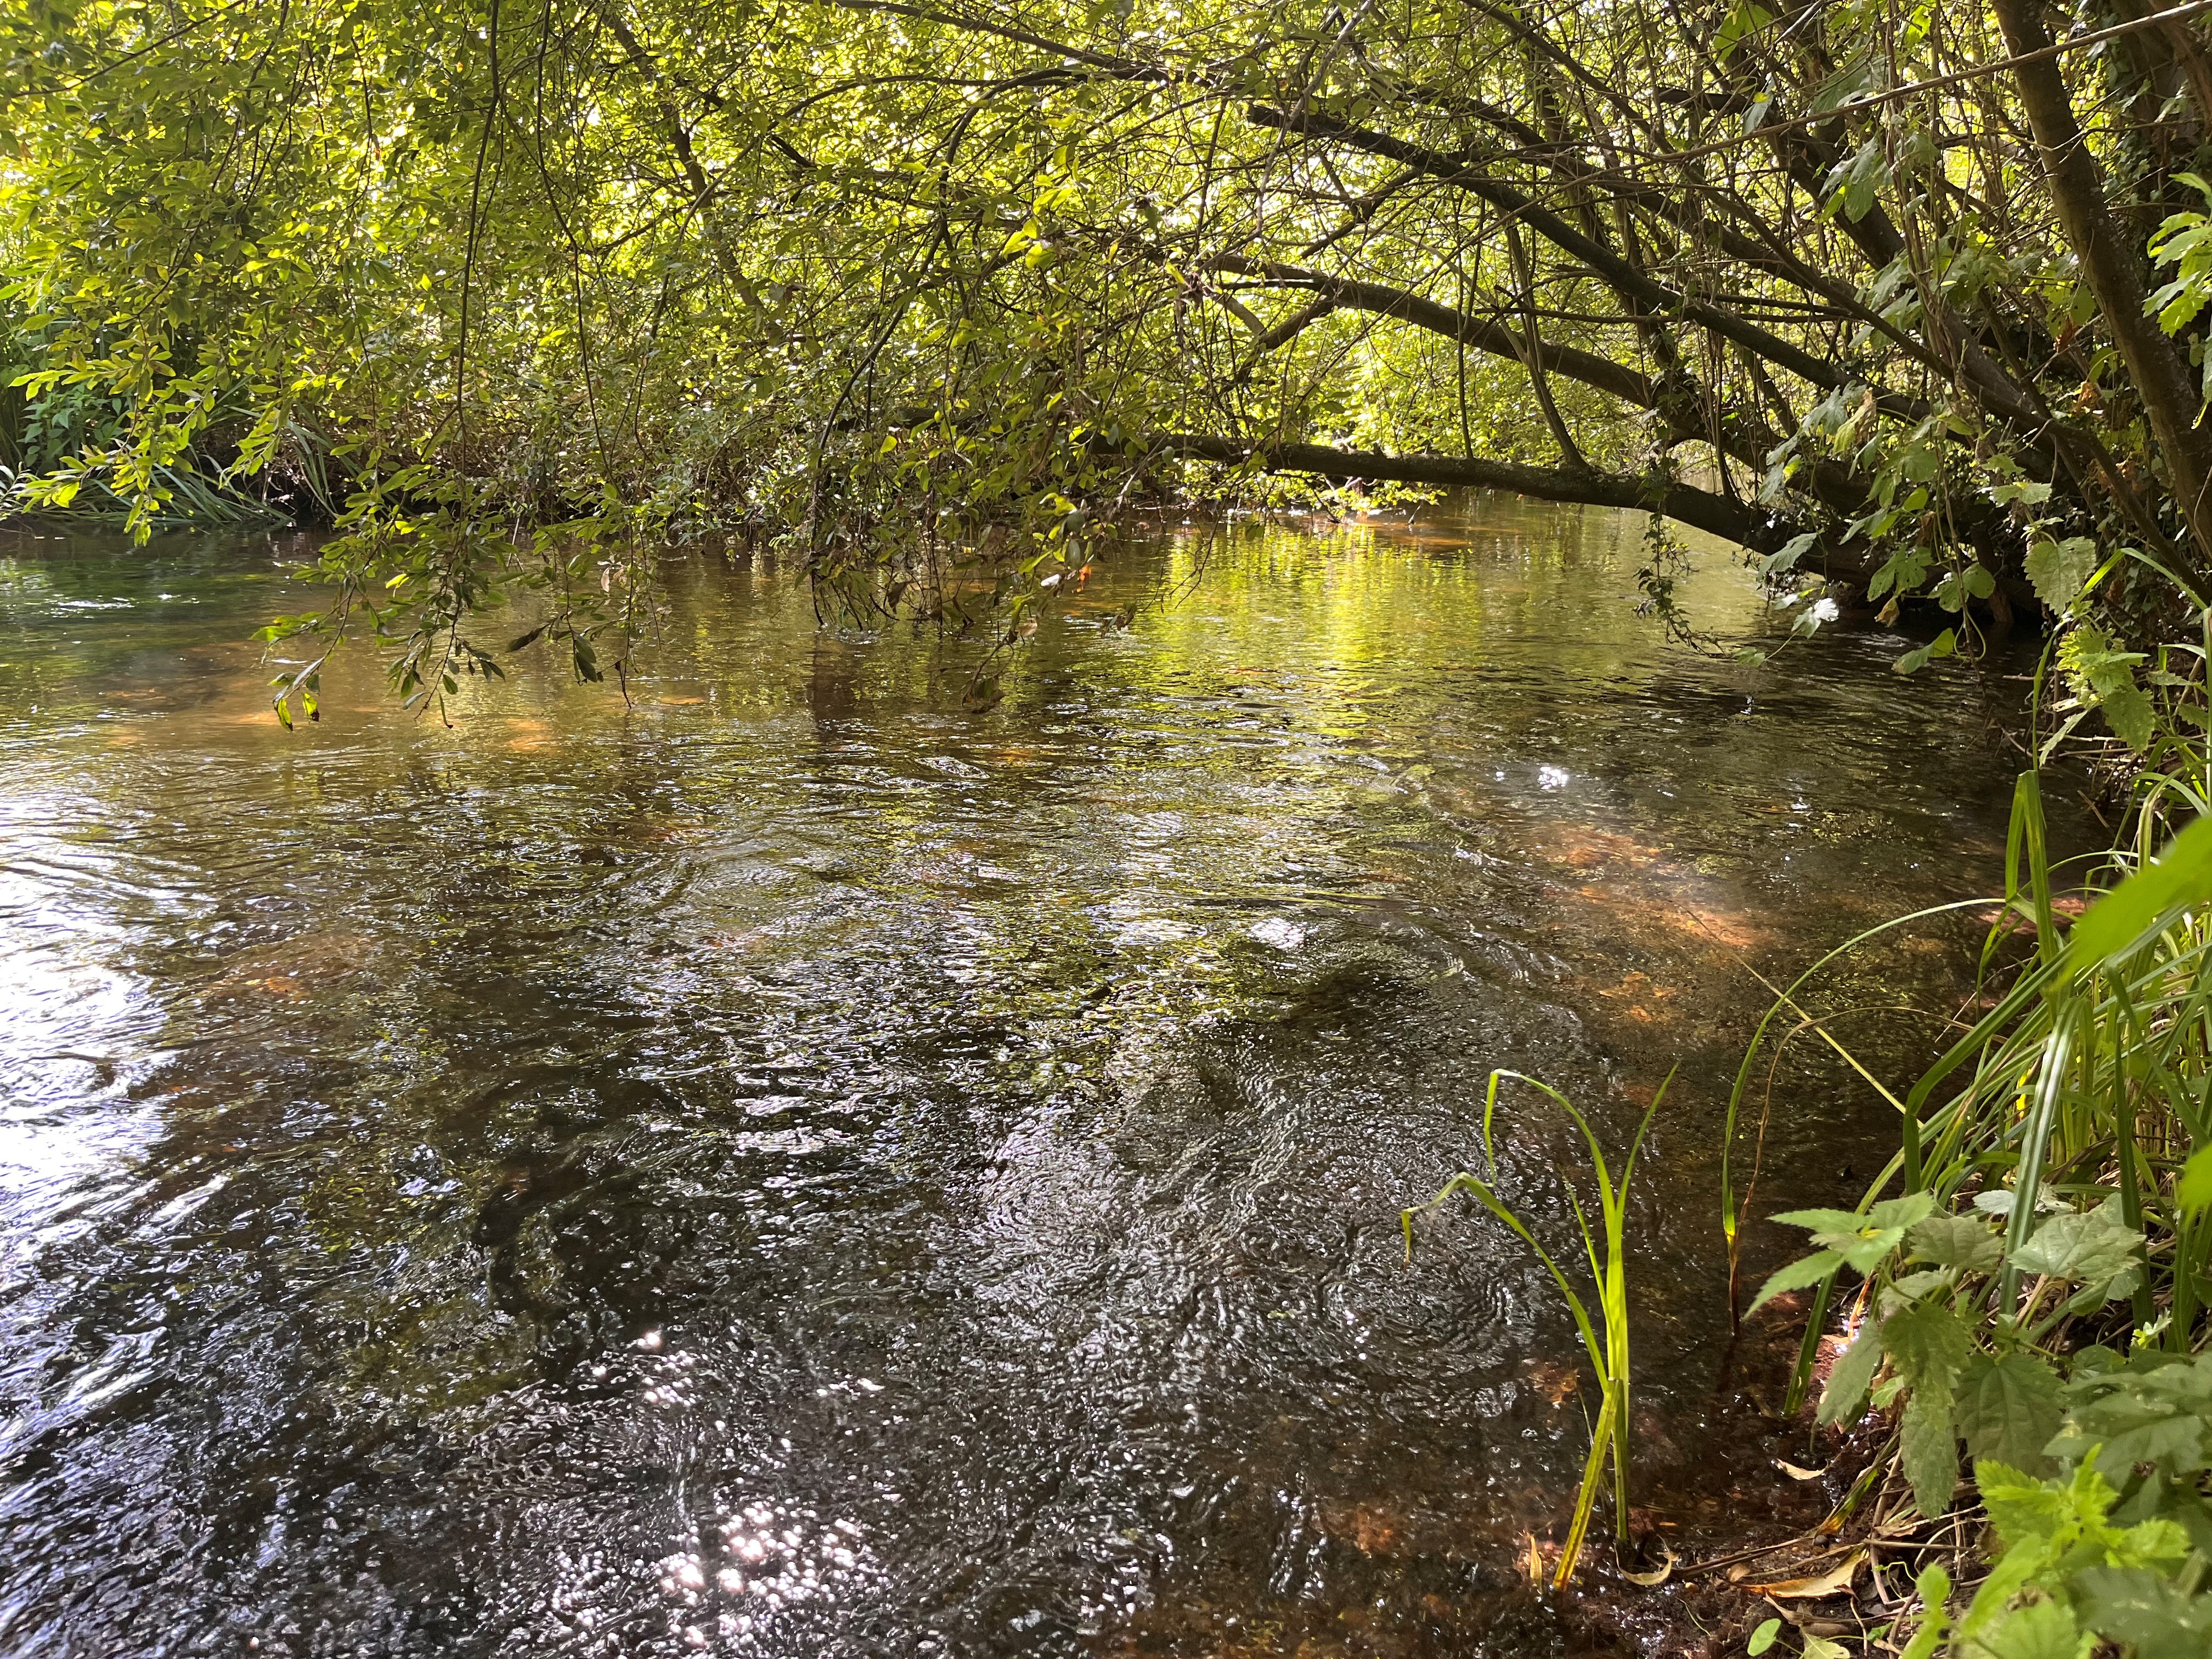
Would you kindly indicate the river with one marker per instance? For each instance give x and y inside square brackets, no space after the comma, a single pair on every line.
[791,1167]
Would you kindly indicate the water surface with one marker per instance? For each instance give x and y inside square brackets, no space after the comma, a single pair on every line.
[791,1167]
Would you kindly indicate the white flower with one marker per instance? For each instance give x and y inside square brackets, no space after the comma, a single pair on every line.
[1826,610]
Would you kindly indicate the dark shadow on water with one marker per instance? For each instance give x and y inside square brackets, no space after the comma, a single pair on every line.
[795,1167]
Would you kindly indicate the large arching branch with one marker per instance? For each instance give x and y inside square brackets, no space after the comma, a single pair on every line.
[1751,527]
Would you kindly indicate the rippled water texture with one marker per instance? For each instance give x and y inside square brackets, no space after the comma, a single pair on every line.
[797,1168]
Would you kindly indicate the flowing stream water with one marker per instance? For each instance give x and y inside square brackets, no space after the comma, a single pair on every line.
[791,1167]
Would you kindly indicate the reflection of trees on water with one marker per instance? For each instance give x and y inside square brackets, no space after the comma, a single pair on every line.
[1040,1056]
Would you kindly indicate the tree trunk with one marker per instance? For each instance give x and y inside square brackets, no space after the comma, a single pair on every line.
[2114,272]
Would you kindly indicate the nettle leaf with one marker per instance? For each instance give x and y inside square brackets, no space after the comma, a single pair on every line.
[1811,1270]
[2026,1510]
[2041,1630]
[2106,679]
[1955,1241]
[1844,1397]
[2129,713]
[2097,1251]
[2159,1412]
[2008,1409]
[2146,1611]
[2059,570]
[1862,1241]
[1929,1450]
[1930,1345]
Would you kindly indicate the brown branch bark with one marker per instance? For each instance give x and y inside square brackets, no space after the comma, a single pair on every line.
[2114,272]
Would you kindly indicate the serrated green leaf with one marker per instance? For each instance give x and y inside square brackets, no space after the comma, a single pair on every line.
[2041,1630]
[2007,1410]
[2094,1250]
[1844,1397]
[1808,1270]
[1955,1241]
[1907,1212]
[2160,1413]
[2023,1509]
[1929,1449]
[2060,569]
[1931,1346]
[2141,1608]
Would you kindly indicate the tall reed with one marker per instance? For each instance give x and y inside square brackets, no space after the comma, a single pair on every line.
[2087,1080]
[1609,1355]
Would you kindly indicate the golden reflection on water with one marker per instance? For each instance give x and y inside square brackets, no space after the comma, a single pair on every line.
[789,1156]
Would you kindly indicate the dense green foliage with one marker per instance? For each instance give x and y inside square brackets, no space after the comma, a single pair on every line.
[2056,1211]
[925,290]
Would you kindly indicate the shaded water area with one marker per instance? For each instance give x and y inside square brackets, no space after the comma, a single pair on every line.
[794,1167]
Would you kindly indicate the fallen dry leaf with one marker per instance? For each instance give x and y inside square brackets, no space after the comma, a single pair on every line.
[1827,1583]
[1796,1474]
[1666,1570]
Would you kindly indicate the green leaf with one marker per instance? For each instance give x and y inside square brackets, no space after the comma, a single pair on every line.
[1862,1241]
[2182,877]
[1933,1585]
[1810,1270]
[2129,713]
[2023,1509]
[1956,1241]
[2059,570]
[1823,1221]
[1844,1398]
[2095,1251]
[1846,84]
[1910,1287]
[2193,1192]
[2041,1630]
[1907,1212]
[2008,1409]
[1745,18]
[1763,1638]
[1931,1346]
[1931,1449]
[2158,1413]
[2141,1608]
[1785,558]
[1943,644]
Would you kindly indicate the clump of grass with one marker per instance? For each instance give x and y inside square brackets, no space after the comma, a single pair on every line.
[1609,1353]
